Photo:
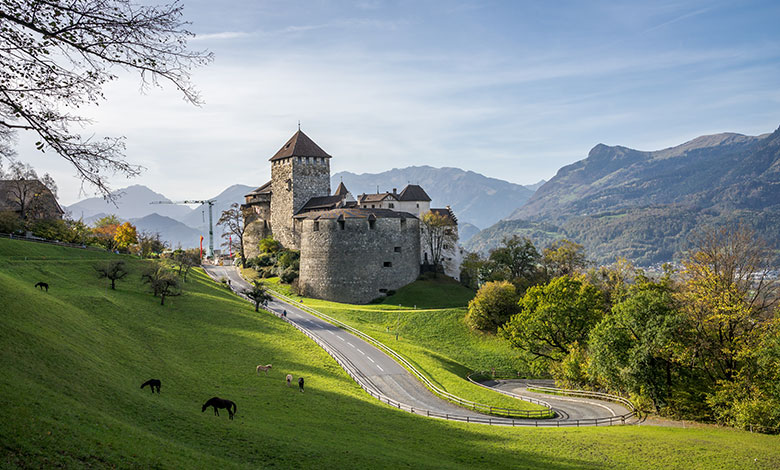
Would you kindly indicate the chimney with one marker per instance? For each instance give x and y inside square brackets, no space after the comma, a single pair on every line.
[395,191]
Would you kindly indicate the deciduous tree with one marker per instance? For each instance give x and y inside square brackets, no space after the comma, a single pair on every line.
[126,234]
[258,294]
[162,281]
[494,304]
[112,270]
[233,220]
[56,57]
[437,231]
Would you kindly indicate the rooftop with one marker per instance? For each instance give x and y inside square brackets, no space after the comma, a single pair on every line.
[299,145]
[355,213]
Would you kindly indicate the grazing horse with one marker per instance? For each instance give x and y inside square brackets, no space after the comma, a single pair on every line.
[263,368]
[42,286]
[289,379]
[300,383]
[152,383]
[217,402]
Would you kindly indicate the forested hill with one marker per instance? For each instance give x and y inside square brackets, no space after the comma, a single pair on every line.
[643,205]
[723,171]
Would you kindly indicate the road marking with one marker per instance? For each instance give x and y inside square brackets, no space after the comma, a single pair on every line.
[339,337]
[352,345]
[369,358]
[361,352]
[380,367]
[330,332]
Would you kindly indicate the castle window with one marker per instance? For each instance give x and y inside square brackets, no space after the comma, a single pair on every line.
[371,224]
[397,249]
[418,206]
[403,223]
[388,264]
[299,159]
[373,206]
[316,226]
[341,224]
[390,205]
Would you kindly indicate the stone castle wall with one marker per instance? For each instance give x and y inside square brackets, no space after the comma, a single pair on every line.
[295,180]
[351,265]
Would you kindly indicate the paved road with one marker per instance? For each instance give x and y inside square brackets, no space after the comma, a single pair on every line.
[389,378]
[567,408]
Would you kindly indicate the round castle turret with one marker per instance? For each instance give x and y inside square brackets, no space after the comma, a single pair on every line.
[356,255]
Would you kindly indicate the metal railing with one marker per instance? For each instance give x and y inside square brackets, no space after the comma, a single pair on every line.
[633,412]
[50,242]
[479,407]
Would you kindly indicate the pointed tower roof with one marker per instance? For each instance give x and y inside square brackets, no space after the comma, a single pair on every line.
[413,192]
[341,190]
[299,145]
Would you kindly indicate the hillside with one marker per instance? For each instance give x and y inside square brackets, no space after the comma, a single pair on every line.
[644,205]
[174,232]
[475,198]
[73,360]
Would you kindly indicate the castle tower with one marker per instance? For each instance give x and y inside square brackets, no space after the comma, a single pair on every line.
[300,170]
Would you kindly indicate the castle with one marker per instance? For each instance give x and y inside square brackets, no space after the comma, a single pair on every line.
[352,250]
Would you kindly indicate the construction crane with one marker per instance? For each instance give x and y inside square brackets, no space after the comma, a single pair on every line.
[210,202]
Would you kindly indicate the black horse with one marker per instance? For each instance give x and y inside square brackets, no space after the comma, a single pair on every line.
[300,383]
[152,383]
[217,402]
[42,286]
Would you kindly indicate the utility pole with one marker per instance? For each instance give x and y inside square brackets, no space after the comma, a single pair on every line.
[210,202]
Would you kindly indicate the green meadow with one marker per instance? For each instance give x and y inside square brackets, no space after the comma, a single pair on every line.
[73,360]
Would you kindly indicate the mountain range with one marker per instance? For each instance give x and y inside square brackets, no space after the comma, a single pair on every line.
[476,199]
[621,202]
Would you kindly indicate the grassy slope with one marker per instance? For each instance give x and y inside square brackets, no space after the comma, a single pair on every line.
[73,360]
[435,340]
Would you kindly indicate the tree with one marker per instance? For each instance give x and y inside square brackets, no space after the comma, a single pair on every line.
[233,220]
[727,295]
[471,270]
[258,294]
[185,260]
[105,231]
[27,192]
[162,281]
[633,349]
[126,234]
[113,270]
[563,258]
[437,232]
[269,245]
[58,54]
[517,261]
[554,317]
[150,243]
[494,304]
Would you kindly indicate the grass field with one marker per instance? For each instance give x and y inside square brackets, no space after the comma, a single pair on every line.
[73,360]
[428,317]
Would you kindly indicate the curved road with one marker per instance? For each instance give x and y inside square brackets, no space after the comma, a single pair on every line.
[389,378]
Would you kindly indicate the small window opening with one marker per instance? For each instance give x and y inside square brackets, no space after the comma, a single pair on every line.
[390,205]
[397,249]
[372,224]
[403,223]
[384,291]
[316,226]
[418,206]
[341,224]
[388,264]
[373,206]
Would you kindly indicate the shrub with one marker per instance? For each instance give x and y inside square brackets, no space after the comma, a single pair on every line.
[288,275]
[494,305]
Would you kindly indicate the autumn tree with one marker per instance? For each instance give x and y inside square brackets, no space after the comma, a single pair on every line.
[233,220]
[437,231]
[727,294]
[258,294]
[494,304]
[56,57]
[111,270]
[105,230]
[126,234]
[563,258]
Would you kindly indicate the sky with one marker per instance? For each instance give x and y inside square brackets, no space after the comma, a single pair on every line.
[510,89]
